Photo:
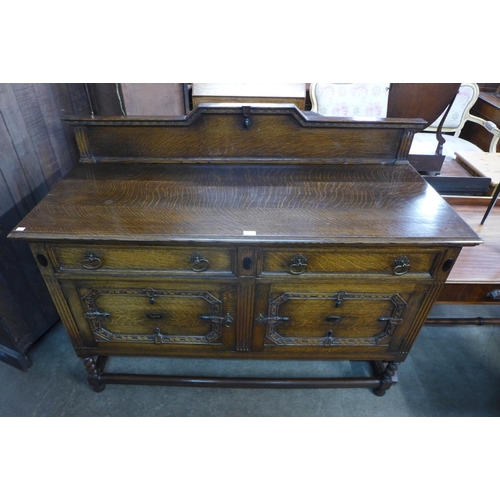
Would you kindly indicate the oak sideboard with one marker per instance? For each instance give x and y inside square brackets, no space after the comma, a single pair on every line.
[244,231]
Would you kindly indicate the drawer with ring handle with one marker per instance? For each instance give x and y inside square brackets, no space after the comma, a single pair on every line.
[133,260]
[312,262]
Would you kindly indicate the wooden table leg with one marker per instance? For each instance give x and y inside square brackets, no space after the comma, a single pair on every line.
[492,202]
[387,379]
[94,370]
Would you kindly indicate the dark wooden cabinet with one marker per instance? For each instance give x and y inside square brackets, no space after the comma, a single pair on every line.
[36,151]
[245,232]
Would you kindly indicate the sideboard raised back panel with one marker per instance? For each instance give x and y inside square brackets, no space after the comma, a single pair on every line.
[245,232]
[211,133]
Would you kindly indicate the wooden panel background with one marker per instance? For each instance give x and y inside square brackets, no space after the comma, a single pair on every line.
[36,150]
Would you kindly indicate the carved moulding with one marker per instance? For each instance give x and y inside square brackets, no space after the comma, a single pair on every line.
[97,318]
[274,338]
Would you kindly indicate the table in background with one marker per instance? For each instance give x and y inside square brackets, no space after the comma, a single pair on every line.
[475,278]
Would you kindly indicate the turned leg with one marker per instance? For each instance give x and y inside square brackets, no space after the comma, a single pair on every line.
[386,379]
[94,370]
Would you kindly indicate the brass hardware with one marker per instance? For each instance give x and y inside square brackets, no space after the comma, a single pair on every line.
[334,319]
[494,294]
[328,338]
[158,337]
[401,265]
[96,314]
[262,319]
[150,292]
[200,264]
[227,319]
[298,264]
[155,316]
[91,260]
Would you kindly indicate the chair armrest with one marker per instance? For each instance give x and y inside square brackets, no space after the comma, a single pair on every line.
[490,127]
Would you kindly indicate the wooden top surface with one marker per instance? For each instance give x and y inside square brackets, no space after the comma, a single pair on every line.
[328,204]
[479,264]
[481,163]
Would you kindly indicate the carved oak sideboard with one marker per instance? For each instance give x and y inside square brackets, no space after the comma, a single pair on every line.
[251,232]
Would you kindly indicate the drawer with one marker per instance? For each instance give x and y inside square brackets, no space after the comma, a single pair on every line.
[140,259]
[176,315]
[394,262]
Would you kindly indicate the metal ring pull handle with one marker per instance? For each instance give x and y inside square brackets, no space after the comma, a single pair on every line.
[401,265]
[228,321]
[200,264]
[298,264]
[91,261]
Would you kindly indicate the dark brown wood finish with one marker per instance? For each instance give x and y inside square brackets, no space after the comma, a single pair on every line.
[420,100]
[487,107]
[455,180]
[294,237]
[314,204]
[245,134]
[36,151]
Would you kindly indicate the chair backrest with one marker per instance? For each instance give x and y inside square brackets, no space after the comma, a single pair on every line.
[459,112]
[350,99]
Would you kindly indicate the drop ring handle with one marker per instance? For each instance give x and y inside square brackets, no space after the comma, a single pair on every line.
[91,261]
[401,265]
[200,264]
[298,264]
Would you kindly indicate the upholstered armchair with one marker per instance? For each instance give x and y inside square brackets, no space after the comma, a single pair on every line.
[426,142]
[350,99]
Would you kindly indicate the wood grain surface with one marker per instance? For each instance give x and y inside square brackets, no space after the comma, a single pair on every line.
[479,264]
[337,204]
[220,133]
[347,186]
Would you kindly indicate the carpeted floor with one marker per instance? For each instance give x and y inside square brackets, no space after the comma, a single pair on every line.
[451,371]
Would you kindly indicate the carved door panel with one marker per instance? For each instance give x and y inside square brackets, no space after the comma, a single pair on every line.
[349,317]
[161,313]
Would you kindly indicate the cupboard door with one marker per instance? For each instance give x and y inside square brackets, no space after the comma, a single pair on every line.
[365,319]
[160,314]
